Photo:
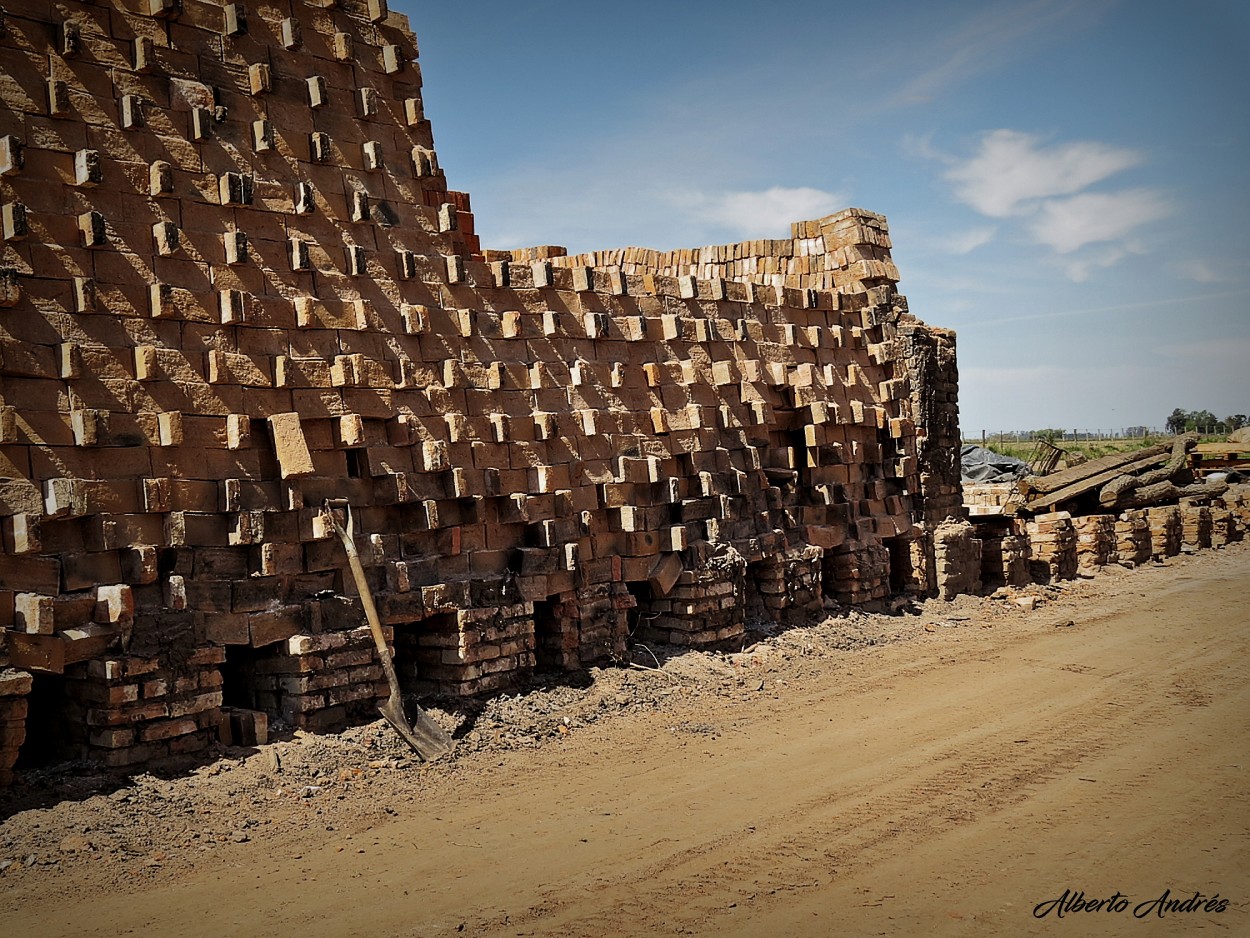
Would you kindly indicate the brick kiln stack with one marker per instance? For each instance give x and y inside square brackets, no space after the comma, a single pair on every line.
[234,284]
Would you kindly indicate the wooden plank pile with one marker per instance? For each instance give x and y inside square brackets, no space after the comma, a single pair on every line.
[1142,478]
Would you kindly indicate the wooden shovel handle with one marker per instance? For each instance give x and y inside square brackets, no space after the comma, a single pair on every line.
[366,597]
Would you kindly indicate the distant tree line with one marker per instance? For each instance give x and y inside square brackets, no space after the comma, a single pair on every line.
[1204,421]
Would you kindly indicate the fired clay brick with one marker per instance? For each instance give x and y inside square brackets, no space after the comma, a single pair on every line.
[258,293]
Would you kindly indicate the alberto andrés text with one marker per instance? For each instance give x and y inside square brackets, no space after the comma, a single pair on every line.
[1074,901]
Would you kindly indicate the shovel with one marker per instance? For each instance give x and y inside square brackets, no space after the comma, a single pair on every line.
[427,738]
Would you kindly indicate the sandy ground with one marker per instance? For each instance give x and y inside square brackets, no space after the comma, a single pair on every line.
[936,774]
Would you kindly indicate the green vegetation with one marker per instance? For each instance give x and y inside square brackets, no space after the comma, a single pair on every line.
[1204,422]
[1088,449]
[1082,445]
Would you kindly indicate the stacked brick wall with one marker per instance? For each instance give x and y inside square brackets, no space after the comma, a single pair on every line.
[583,627]
[472,651]
[845,252]
[1224,527]
[1132,538]
[234,284]
[786,586]
[1237,500]
[14,687]
[1053,547]
[957,559]
[929,355]
[1004,559]
[1095,541]
[1196,526]
[705,608]
[138,709]
[1165,530]
[314,681]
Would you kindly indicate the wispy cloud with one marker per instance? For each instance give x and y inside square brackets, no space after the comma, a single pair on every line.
[984,41]
[1045,191]
[1080,267]
[1010,171]
[1204,270]
[967,241]
[1092,217]
[762,214]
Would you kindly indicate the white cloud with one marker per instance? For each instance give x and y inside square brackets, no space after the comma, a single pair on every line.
[1044,191]
[1078,269]
[1011,170]
[1093,217]
[965,242]
[1203,270]
[983,41]
[762,214]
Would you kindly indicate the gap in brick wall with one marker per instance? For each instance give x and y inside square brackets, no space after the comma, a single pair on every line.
[49,728]
[239,680]
[550,651]
[901,572]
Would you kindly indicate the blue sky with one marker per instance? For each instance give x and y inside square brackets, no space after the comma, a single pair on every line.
[1067,183]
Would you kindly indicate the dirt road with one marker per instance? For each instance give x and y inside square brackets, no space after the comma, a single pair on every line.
[942,784]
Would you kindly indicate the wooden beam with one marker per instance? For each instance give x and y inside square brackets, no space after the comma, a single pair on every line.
[1040,485]
[1076,489]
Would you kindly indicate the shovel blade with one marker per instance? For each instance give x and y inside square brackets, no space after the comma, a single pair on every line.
[427,738]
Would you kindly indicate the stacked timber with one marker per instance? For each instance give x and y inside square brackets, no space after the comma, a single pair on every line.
[1059,489]
[1143,478]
